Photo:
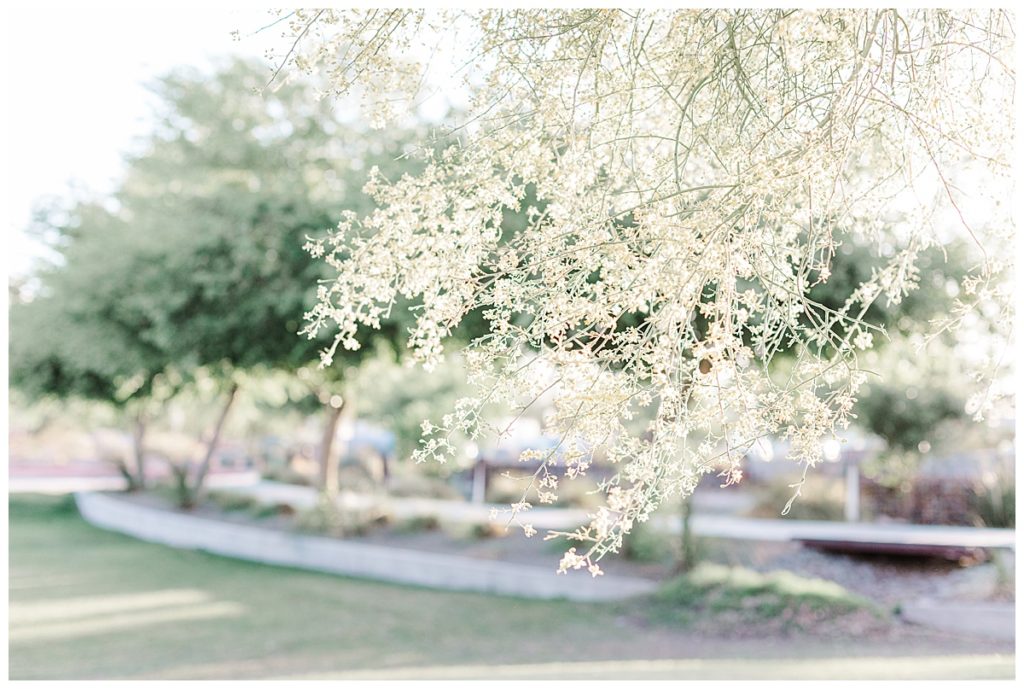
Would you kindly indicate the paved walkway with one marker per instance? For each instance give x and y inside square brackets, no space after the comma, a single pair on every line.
[348,557]
[713,525]
[990,619]
[60,485]
[962,667]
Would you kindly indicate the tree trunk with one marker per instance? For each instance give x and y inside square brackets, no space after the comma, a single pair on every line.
[328,460]
[689,554]
[211,446]
[130,481]
[140,451]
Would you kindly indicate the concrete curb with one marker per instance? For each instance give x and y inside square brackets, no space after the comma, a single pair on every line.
[400,566]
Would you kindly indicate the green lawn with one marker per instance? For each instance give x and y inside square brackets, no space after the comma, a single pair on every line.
[85,603]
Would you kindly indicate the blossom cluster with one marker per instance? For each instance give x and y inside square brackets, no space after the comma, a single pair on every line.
[684,179]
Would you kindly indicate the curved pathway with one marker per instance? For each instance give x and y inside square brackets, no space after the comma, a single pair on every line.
[402,566]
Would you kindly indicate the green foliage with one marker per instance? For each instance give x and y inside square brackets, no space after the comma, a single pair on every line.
[63,347]
[994,503]
[286,475]
[752,596]
[231,501]
[904,422]
[893,469]
[42,507]
[914,390]
[185,494]
[941,270]
[487,530]
[198,260]
[419,523]
[916,401]
[330,519]
[400,397]
[222,198]
[645,544]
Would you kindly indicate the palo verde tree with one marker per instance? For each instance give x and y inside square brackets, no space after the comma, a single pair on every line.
[741,145]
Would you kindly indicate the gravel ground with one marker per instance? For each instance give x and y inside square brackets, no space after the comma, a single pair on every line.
[888,580]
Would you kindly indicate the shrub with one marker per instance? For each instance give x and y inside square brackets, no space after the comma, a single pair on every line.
[423,522]
[488,530]
[644,544]
[994,503]
[184,495]
[264,510]
[230,501]
[330,519]
[749,596]
[287,475]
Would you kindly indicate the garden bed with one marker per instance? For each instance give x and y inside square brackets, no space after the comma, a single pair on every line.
[888,581]
[247,540]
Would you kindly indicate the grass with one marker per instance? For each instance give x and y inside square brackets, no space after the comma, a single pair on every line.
[86,603]
[750,596]
[89,604]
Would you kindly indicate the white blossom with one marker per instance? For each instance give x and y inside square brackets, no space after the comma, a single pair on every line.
[686,177]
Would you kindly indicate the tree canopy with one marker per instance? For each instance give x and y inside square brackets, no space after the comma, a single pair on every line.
[196,262]
[691,175]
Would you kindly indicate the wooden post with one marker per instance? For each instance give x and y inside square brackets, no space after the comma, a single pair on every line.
[479,481]
[851,509]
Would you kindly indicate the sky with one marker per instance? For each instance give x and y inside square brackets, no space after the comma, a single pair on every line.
[76,96]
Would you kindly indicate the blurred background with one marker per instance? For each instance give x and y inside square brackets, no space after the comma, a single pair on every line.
[159,205]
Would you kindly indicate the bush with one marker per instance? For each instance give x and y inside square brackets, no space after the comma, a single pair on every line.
[184,496]
[488,530]
[230,501]
[279,509]
[644,544]
[287,475]
[419,523]
[749,596]
[994,503]
[330,519]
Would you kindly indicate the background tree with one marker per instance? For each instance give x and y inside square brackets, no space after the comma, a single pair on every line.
[197,263]
[68,337]
[228,188]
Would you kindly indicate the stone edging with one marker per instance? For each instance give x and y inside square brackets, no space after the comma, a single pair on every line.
[320,554]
